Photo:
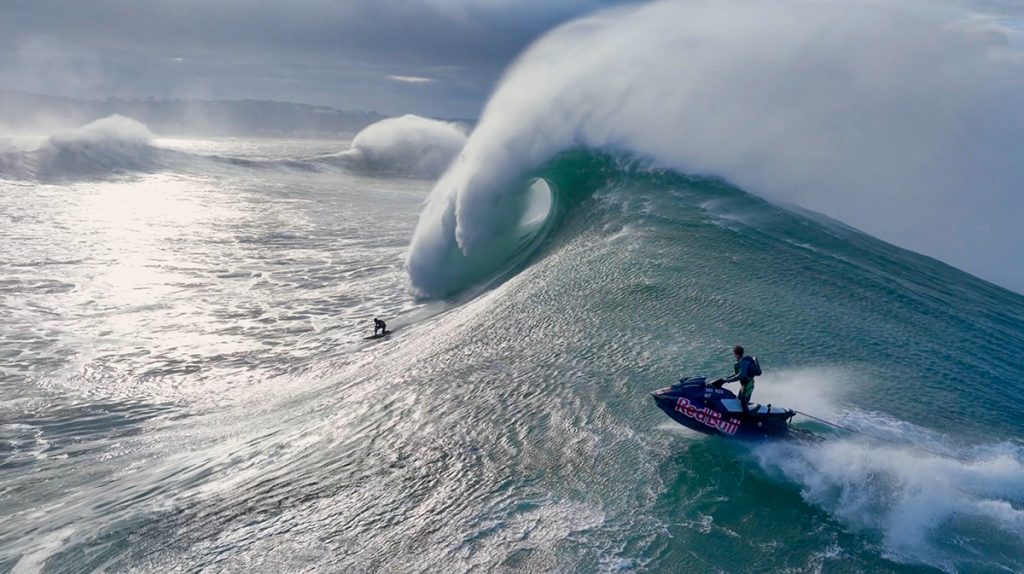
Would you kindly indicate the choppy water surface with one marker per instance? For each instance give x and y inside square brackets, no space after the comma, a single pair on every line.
[186,387]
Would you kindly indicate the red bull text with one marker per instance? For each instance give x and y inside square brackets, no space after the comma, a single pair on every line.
[707,416]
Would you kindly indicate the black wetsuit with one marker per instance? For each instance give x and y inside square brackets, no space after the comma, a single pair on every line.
[379,325]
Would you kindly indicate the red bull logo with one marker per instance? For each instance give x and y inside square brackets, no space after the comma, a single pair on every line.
[707,416]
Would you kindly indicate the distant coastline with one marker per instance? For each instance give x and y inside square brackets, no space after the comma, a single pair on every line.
[23,112]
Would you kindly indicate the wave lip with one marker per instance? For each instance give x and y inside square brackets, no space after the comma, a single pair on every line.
[903,119]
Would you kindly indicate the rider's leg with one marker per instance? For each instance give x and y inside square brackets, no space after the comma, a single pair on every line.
[746,391]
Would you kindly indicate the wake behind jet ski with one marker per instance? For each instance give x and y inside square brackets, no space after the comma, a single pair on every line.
[708,408]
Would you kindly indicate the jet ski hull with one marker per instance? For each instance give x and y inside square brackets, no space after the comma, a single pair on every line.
[713,410]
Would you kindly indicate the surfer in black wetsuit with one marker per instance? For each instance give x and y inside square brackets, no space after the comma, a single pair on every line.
[379,325]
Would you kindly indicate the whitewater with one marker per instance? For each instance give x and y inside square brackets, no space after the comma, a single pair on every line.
[186,387]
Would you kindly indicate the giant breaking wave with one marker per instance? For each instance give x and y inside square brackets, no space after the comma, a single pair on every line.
[903,119]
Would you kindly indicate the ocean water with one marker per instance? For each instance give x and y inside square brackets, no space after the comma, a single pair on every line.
[186,387]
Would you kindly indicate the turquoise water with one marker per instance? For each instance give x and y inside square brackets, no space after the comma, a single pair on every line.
[186,387]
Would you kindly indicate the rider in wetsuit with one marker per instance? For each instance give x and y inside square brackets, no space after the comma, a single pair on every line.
[743,371]
[379,325]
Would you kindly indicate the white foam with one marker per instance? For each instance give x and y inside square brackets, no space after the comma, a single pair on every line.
[910,497]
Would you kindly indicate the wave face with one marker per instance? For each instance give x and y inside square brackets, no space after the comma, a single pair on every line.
[651,270]
[108,146]
[902,119]
[650,265]
[409,145]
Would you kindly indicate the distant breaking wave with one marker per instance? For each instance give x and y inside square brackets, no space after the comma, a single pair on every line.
[408,145]
[111,145]
[903,119]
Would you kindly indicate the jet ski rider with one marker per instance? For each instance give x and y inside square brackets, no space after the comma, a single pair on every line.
[744,371]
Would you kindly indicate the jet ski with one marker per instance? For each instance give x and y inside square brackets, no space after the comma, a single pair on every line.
[708,408]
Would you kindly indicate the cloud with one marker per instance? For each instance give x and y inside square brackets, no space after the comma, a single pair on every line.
[411,79]
[347,54]
[326,52]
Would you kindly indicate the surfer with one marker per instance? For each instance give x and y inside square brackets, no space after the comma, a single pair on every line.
[379,325]
[744,371]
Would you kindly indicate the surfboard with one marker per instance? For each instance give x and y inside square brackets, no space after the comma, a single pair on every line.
[378,335]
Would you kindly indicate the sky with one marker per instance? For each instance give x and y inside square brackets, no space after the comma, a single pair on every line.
[432,57]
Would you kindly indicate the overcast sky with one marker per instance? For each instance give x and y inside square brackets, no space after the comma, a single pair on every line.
[432,57]
[435,57]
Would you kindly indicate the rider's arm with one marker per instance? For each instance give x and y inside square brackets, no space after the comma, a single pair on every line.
[742,372]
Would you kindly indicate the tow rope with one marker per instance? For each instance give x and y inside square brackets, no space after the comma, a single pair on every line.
[879,439]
